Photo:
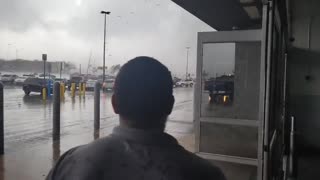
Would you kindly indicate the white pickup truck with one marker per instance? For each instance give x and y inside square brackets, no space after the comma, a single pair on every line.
[185,83]
[90,84]
[108,85]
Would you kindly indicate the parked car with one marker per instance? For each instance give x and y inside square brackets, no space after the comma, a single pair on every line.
[36,85]
[75,79]
[47,76]
[220,91]
[61,80]
[108,85]
[20,80]
[175,80]
[90,84]
[29,75]
[185,83]
[8,78]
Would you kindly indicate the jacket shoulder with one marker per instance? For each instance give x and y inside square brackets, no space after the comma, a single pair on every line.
[201,168]
[83,159]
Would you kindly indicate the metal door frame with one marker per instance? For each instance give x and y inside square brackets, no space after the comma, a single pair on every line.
[273,21]
[268,22]
[225,37]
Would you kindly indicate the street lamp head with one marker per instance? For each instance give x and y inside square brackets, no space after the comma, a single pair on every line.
[105,12]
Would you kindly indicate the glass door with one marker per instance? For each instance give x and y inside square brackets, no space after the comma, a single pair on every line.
[240,99]
[229,101]
[276,96]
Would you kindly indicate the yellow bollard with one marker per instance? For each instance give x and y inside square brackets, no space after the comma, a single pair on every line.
[73,89]
[62,90]
[80,89]
[84,89]
[44,94]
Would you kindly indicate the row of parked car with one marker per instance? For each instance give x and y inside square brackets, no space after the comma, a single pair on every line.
[107,85]
[9,78]
[19,80]
[35,83]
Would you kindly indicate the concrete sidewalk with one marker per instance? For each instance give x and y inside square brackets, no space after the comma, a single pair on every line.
[35,162]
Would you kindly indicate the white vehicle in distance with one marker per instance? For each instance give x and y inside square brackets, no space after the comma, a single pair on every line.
[8,78]
[20,80]
[185,83]
[90,84]
[108,85]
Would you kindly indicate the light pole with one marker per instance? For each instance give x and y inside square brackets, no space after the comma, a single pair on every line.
[104,44]
[187,62]
[8,51]
[44,59]
[61,64]
[18,51]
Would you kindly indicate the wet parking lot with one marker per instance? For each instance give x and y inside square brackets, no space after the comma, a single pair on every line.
[28,128]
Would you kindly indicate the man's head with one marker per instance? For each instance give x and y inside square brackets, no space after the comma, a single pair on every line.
[143,93]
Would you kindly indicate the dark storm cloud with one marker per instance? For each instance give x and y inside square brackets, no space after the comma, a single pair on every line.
[157,28]
[17,15]
[128,18]
[84,19]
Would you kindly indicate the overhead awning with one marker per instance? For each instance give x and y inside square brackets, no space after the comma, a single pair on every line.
[225,14]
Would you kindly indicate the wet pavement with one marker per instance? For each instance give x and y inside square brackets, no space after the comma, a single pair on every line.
[29,150]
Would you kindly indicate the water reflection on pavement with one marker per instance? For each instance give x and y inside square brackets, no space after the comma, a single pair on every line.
[29,149]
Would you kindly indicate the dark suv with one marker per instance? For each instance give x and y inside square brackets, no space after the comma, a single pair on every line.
[75,79]
[36,85]
[218,89]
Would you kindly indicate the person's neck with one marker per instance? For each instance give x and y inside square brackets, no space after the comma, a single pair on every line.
[124,122]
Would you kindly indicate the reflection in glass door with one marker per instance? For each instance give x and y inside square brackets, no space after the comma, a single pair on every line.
[228,103]
[230,80]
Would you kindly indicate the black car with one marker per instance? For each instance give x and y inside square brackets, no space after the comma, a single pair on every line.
[36,85]
[219,89]
[75,79]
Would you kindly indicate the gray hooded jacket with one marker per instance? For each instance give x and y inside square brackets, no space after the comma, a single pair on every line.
[136,155]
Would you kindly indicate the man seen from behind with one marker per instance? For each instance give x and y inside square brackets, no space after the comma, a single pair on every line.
[138,148]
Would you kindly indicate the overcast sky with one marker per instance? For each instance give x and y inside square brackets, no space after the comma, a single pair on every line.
[70,29]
